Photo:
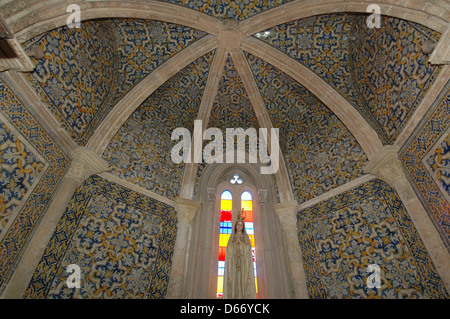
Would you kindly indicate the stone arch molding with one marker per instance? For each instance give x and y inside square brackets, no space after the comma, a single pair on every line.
[37,17]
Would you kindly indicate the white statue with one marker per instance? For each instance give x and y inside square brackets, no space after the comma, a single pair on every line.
[239,277]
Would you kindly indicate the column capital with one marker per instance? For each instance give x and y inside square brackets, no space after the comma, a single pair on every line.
[387,166]
[86,163]
[286,207]
[262,196]
[186,209]
[286,212]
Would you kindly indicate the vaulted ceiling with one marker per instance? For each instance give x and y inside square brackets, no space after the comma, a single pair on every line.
[136,70]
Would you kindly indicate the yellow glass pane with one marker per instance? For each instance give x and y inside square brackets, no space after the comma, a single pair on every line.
[223,240]
[226,204]
[252,240]
[219,284]
[246,205]
[256,285]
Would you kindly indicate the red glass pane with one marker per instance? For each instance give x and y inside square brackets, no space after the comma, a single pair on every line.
[222,253]
[225,216]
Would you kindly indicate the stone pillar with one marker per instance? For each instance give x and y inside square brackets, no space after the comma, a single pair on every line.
[84,164]
[186,211]
[387,167]
[287,214]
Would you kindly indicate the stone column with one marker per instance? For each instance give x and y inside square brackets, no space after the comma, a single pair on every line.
[84,164]
[286,212]
[387,167]
[186,211]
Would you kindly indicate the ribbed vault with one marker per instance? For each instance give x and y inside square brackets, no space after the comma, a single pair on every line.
[304,76]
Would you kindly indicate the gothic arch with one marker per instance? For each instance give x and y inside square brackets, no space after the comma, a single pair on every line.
[272,266]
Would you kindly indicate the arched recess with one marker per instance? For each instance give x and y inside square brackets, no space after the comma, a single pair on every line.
[271,260]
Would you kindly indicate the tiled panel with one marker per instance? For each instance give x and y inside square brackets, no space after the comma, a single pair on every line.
[391,70]
[21,169]
[141,150]
[143,45]
[77,77]
[342,236]
[228,9]
[86,71]
[382,72]
[25,153]
[232,107]
[425,156]
[320,152]
[322,44]
[122,241]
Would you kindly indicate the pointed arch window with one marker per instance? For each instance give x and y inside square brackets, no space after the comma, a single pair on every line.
[226,227]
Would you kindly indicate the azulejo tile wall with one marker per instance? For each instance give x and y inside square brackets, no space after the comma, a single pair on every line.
[382,72]
[140,152]
[321,43]
[122,241]
[320,152]
[77,76]
[425,156]
[232,107]
[143,45]
[228,9]
[21,168]
[391,70]
[86,71]
[342,236]
[32,167]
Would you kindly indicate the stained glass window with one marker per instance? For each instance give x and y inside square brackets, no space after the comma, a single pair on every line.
[226,226]
[247,214]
